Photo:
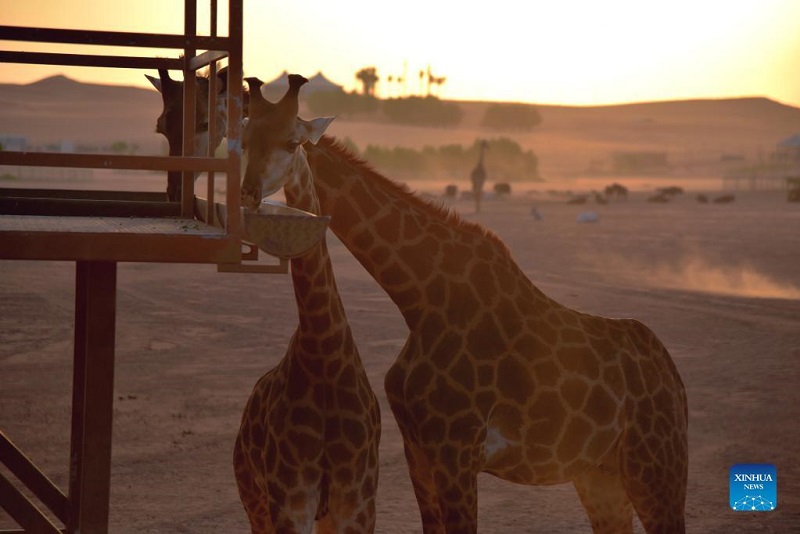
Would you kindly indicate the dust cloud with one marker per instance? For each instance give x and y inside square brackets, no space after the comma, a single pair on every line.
[698,274]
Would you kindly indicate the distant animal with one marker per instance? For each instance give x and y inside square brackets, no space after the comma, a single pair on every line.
[502,188]
[671,190]
[450,191]
[724,199]
[478,175]
[616,190]
[660,198]
[578,199]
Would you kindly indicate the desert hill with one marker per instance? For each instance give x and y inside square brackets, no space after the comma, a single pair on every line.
[696,135]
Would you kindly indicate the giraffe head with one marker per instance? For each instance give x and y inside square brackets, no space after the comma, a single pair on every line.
[273,139]
[170,122]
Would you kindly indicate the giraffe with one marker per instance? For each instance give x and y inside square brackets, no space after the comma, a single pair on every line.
[170,122]
[497,377]
[478,175]
[307,448]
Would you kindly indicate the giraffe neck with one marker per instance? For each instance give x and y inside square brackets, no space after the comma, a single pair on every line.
[422,255]
[319,305]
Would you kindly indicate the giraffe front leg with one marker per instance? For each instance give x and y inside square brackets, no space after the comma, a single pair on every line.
[456,485]
[419,469]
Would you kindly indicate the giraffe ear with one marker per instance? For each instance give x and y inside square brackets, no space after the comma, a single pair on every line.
[314,129]
[155,81]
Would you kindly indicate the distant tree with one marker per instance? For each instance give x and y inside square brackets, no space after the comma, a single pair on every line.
[522,117]
[510,163]
[337,102]
[428,111]
[368,76]
[398,158]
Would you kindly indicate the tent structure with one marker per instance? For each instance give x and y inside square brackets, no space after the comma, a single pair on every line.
[277,87]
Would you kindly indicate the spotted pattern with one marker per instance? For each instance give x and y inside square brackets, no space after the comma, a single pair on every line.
[496,377]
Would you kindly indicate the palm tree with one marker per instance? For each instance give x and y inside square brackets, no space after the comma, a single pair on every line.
[368,76]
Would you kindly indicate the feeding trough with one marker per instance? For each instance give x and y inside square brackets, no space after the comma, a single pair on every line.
[274,228]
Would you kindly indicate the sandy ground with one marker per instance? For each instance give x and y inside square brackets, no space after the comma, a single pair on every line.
[719,284]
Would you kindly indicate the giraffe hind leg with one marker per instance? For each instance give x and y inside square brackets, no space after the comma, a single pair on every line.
[603,495]
[658,494]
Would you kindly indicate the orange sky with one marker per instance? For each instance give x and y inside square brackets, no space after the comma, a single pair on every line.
[574,52]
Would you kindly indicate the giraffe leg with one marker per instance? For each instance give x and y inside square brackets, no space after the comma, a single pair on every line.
[252,497]
[348,513]
[603,496]
[457,488]
[656,485]
[419,468]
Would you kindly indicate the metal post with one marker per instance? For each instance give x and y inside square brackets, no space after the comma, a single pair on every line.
[92,396]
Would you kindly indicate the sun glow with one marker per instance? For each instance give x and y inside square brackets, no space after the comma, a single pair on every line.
[571,52]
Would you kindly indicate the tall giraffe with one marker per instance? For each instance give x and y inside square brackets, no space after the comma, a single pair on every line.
[496,377]
[307,448]
[170,122]
[478,175]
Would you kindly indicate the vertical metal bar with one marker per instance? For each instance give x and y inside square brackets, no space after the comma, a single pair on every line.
[189,103]
[212,118]
[92,396]
[213,18]
[233,185]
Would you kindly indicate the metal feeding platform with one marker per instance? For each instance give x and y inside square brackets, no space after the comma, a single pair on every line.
[98,229]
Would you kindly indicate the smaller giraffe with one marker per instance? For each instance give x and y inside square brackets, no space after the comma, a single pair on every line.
[170,122]
[478,176]
[307,448]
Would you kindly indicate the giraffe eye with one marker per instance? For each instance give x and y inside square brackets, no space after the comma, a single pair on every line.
[291,146]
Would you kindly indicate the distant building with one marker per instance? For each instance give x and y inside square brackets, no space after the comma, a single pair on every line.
[788,150]
[13,143]
[277,88]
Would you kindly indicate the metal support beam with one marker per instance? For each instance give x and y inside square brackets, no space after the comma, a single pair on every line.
[92,396]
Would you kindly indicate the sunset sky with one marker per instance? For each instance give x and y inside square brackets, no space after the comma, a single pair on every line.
[573,52]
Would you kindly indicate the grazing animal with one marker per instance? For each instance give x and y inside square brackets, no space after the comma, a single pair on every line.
[307,448]
[497,377]
[616,190]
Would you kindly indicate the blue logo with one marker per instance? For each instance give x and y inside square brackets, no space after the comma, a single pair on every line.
[753,487]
